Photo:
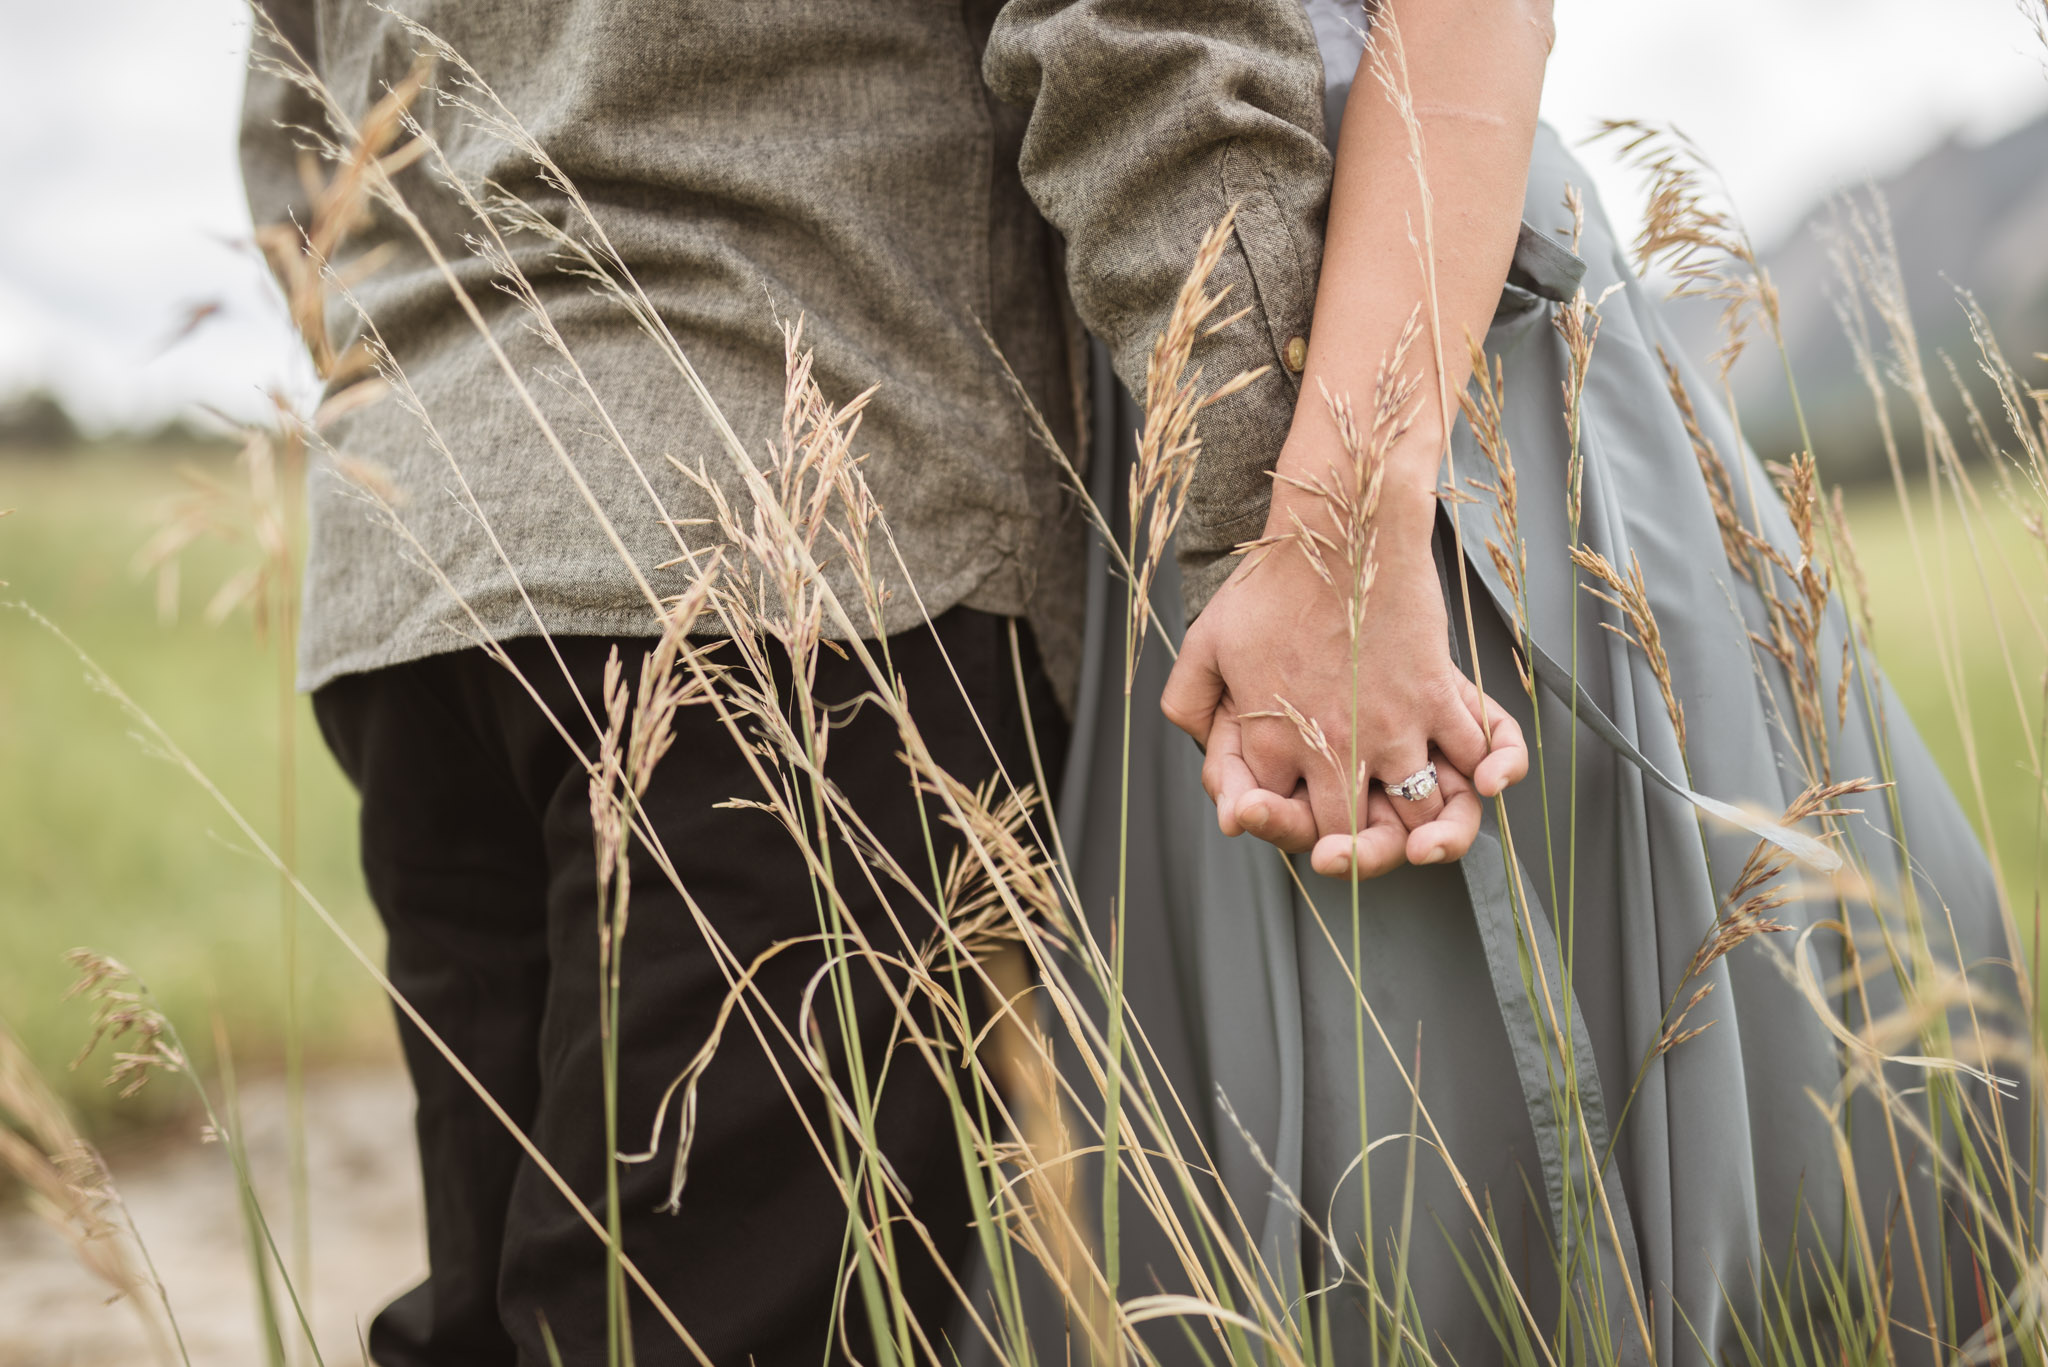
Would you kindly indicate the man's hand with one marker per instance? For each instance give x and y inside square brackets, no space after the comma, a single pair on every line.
[1274,638]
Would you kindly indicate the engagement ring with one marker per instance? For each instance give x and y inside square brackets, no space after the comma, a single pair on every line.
[1417,786]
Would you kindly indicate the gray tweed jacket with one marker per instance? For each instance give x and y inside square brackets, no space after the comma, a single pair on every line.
[898,172]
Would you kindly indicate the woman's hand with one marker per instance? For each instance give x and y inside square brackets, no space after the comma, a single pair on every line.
[1274,636]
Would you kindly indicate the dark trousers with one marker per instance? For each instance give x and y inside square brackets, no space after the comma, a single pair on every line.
[477,843]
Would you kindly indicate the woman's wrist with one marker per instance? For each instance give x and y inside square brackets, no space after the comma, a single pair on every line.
[1406,514]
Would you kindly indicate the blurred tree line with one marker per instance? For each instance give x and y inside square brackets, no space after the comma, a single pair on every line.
[36,422]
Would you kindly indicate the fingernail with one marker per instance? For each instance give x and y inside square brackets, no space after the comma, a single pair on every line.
[1254,815]
[1433,855]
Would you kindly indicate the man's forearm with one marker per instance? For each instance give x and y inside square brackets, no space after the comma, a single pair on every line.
[1149,119]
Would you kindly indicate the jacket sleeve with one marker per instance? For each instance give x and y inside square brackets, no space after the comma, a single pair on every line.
[272,108]
[1148,120]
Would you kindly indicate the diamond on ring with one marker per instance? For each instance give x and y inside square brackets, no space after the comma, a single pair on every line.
[1417,786]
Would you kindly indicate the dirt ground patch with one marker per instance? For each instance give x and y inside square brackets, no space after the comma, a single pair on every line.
[368,1244]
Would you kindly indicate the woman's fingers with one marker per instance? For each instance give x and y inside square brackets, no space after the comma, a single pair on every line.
[1451,834]
[1376,849]
[1386,842]
[1459,743]
[1409,767]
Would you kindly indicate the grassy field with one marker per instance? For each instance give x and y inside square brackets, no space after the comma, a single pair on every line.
[103,845]
[1983,593]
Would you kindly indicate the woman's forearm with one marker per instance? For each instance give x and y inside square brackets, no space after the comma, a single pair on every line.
[1269,676]
[1475,69]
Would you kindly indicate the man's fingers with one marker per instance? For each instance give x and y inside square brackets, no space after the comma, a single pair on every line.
[1288,822]
[1507,758]
[1225,775]
[1243,806]
[1194,690]
[1457,732]
[1337,810]
[1379,848]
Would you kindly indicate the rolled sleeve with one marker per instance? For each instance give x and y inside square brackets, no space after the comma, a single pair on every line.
[1149,119]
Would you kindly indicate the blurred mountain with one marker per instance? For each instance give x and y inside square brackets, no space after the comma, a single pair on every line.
[1964,216]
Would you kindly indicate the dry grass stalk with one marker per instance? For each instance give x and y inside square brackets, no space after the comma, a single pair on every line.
[302,257]
[68,1185]
[1861,245]
[1756,891]
[1349,491]
[1578,325]
[2036,12]
[2025,406]
[1169,443]
[1849,566]
[1575,205]
[1974,421]
[682,1090]
[1050,1223]
[123,1011]
[972,899]
[1677,1032]
[261,510]
[1920,1023]
[1631,596]
[639,729]
[1076,482]
[1483,414]
[1703,247]
[2026,501]
[1798,617]
[1736,538]
[812,507]
[606,821]
[820,497]
[1312,734]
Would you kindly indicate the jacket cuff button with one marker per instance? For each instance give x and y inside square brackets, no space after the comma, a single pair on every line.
[1296,354]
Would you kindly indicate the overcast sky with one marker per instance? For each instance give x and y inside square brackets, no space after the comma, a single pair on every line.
[124,208]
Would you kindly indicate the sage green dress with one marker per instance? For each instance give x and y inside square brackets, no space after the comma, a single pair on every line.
[1243,984]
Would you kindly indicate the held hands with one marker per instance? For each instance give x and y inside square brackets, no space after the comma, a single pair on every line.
[1274,639]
